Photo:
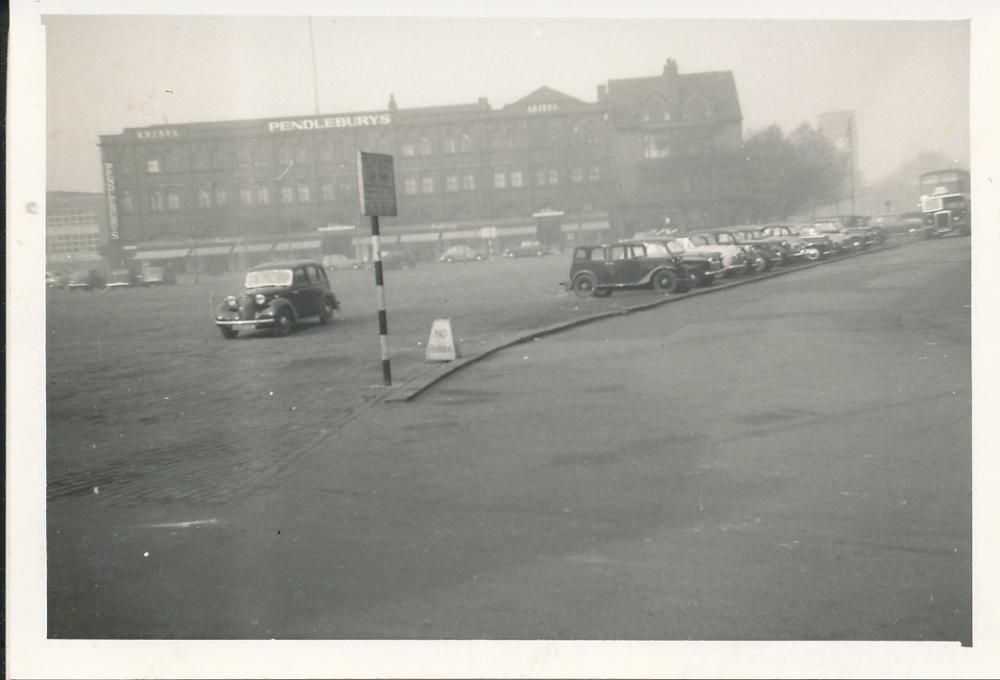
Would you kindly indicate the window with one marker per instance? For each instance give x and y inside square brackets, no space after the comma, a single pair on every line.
[466,143]
[469,182]
[127,204]
[220,158]
[303,154]
[410,186]
[451,183]
[540,176]
[500,179]
[553,176]
[327,192]
[263,194]
[246,195]
[408,149]
[204,197]
[153,166]
[515,178]
[725,239]
[427,185]
[221,195]
[450,146]
[577,175]
[202,158]
[656,146]
[262,156]
[597,254]
[595,173]
[618,252]
[156,200]
[424,146]
[287,194]
[173,199]
[243,159]
[302,191]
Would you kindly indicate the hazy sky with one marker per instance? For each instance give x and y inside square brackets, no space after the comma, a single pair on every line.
[105,73]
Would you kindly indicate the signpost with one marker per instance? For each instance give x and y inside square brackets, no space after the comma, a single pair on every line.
[377,191]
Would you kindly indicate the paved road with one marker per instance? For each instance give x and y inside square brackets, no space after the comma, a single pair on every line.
[785,460]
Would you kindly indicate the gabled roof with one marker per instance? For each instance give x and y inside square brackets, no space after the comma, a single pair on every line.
[627,96]
[546,95]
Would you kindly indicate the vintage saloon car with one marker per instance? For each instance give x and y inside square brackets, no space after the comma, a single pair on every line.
[779,250]
[747,258]
[814,246]
[701,268]
[599,270]
[277,295]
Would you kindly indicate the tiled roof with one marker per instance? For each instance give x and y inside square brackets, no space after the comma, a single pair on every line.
[627,97]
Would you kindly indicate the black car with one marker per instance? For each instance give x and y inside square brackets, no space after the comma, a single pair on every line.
[85,280]
[599,270]
[700,268]
[276,296]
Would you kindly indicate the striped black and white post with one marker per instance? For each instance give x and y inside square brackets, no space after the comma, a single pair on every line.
[383,321]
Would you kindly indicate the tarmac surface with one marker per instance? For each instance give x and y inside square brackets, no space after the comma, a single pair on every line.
[785,460]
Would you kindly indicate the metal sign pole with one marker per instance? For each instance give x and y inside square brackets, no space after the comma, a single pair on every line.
[383,321]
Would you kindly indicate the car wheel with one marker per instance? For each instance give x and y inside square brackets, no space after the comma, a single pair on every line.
[664,281]
[325,312]
[760,263]
[228,333]
[707,280]
[282,323]
[585,285]
[812,254]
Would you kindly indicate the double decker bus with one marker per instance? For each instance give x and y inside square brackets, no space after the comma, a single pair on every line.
[945,202]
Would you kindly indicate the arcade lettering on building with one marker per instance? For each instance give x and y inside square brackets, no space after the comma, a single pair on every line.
[360,120]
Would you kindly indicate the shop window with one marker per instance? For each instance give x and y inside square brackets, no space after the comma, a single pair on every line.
[173,199]
[263,194]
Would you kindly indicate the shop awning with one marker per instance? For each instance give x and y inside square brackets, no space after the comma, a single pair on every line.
[254,248]
[412,238]
[511,231]
[212,250]
[455,235]
[161,254]
[298,245]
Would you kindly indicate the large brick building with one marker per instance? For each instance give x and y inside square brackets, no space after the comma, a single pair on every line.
[548,166]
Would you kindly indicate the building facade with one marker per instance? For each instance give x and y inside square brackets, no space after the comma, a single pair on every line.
[76,231]
[548,167]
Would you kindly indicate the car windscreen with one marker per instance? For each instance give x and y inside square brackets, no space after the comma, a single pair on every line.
[268,277]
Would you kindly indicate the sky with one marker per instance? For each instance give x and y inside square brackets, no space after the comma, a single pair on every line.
[106,73]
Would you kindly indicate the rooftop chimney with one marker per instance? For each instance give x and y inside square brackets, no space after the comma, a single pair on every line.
[392,102]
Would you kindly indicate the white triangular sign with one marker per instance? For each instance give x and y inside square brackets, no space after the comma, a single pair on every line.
[441,345]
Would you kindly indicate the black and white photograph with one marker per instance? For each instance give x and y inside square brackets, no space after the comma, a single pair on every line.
[598,340]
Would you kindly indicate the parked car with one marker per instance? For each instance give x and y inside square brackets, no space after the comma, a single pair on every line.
[158,276]
[757,258]
[462,254]
[276,296]
[835,228]
[397,259]
[599,270]
[528,249]
[53,280]
[83,279]
[735,258]
[700,268]
[123,278]
[913,222]
[780,251]
[338,262]
[814,246]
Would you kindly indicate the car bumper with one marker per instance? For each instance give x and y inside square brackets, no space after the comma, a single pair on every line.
[263,321]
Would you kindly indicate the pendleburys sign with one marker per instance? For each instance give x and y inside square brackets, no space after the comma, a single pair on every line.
[324,122]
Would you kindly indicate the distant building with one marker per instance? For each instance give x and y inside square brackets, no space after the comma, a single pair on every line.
[76,231]
[548,166]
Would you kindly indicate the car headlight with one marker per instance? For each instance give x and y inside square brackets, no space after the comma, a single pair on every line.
[232,303]
[260,299]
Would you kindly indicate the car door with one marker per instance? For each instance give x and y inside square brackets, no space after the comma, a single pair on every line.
[299,294]
[624,265]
